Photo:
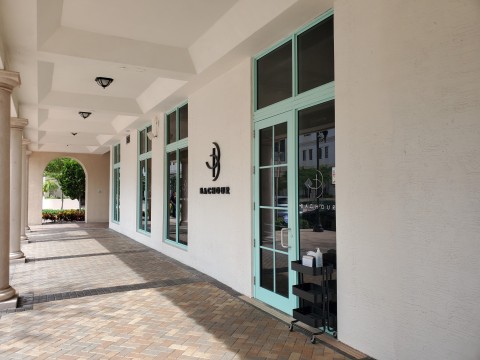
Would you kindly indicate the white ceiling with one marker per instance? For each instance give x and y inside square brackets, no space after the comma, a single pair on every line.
[157,51]
[163,22]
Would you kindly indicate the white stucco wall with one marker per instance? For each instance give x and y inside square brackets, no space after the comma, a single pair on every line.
[97,184]
[56,204]
[219,226]
[222,224]
[408,177]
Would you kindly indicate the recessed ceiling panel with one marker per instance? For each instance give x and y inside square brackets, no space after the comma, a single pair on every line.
[71,115]
[168,22]
[78,76]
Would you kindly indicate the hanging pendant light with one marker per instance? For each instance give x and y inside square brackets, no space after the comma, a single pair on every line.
[103,81]
[84,114]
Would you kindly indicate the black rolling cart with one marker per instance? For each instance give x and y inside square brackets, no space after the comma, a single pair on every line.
[318,302]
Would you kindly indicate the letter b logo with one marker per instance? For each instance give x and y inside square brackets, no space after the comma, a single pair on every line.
[215,167]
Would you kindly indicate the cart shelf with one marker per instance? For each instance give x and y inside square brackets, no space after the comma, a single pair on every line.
[318,307]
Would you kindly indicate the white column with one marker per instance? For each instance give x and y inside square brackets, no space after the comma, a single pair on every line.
[27,167]
[16,131]
[8,80]
[23,235]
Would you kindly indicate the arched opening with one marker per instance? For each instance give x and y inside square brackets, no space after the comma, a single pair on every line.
[64,189]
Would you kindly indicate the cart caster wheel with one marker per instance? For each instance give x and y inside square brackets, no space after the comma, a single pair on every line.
[313,339]
[290,327]
[334,334]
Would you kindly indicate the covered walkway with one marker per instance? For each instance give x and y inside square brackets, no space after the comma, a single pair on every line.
[88,292]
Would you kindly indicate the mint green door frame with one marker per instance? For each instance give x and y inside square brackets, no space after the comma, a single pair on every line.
[284,111]
[285,304]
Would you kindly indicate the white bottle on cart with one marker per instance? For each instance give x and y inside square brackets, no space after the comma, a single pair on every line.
[319,258]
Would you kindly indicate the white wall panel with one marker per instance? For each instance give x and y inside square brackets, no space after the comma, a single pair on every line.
[219,225]
[408,177]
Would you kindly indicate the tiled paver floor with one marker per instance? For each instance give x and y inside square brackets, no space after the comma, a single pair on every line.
[91,293]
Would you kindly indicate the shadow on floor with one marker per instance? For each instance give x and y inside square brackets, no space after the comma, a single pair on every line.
[214,307]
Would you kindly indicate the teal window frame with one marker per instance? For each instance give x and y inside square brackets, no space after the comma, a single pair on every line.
[173,147]
[298,100]
[116,183]
[290,106]
[142,133]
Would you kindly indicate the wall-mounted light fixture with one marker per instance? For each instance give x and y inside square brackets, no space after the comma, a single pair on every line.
[84,114]
[154,133]
[103,81]
[74,134]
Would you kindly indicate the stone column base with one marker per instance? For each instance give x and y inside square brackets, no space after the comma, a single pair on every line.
[7,294]
[18,261]
[9,304]
[17,255]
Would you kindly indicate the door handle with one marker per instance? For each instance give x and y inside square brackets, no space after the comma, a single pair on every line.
[281,238]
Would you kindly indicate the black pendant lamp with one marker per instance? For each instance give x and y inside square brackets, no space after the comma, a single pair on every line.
[103,81]
[84,114]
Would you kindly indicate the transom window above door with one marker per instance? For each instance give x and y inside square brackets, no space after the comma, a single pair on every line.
[303,62]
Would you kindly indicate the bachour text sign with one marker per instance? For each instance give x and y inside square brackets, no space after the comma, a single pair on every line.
[215,167]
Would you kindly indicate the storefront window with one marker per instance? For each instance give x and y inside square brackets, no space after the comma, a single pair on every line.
[274,76]
[176,204]
[315,56]
[316,180]
[145,181]
[116,184]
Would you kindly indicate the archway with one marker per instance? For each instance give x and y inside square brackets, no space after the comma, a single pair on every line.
[97,170]
[64,189]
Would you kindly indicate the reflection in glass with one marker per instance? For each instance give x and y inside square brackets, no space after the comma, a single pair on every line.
[316,186]
[148,196]
[274,76]
[280,148]
[315,56]
[147,139]
[266,271]
[116,154]
[266,157]
[281,186]
[143,198]
[281,274]
[182,212]
[116,194]
[172,193]
[266,228]
[183,121]
[281,222]
[273,212]
[141,136]
[171,127]
[266,198]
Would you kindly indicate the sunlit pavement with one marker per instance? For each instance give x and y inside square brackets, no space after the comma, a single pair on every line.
[88,292]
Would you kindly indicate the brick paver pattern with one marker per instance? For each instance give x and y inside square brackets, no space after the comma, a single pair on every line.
[89,292]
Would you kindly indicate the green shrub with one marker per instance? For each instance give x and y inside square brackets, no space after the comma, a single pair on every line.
[63,215]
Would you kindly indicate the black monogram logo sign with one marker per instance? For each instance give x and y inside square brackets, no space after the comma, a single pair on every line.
[215,167]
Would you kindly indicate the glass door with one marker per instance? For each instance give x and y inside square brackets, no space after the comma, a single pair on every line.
[316,196]
[275,219]
[295,213]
